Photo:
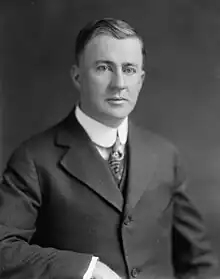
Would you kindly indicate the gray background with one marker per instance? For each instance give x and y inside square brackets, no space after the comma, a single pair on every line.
[180,98]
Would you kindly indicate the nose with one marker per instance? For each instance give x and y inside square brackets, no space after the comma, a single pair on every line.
[118,80]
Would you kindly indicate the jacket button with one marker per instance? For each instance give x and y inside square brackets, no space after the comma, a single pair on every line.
[134,272]
[127,221]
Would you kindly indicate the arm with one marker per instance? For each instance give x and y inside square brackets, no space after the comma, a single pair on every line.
[192,253]
[20,203]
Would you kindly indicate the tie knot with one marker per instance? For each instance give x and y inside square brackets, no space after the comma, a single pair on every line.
[116,160]
[117,149]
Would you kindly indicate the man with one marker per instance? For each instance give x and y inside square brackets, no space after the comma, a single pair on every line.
[95,196]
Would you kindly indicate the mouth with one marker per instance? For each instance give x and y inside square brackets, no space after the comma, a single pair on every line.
[117,100]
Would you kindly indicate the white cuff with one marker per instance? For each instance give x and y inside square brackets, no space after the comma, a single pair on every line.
[91,268]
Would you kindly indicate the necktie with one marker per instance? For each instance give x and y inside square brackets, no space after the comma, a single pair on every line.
[116,160]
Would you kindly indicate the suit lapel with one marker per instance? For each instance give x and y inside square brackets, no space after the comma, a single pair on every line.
[141,165]
[83,161]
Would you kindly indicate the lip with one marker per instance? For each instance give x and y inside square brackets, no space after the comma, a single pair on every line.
[117,99]
[117,102]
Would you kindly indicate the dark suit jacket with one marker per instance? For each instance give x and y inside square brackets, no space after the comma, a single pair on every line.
[59,205]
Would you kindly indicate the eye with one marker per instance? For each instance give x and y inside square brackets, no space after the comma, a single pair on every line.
[103,68]
[129,70]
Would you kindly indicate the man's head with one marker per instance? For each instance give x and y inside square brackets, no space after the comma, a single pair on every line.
[109,70]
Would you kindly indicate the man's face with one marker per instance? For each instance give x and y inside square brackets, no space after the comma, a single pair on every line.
[110,77]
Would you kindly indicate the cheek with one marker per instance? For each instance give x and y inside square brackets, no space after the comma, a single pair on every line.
[98,84]
[134,88]
[94,91]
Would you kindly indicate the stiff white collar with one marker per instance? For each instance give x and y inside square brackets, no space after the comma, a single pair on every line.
[100,134]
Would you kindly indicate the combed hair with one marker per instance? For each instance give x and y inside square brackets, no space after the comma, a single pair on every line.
[108,26]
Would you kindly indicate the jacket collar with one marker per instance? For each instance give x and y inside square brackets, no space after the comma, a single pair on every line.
[82,160]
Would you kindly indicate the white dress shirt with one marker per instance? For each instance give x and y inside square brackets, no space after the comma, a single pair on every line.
[104,138]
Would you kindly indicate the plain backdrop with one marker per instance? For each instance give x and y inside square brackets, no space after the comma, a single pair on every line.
[180,99]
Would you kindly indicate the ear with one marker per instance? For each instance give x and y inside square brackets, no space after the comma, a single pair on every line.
[142,78]
[143,74]
[75,75]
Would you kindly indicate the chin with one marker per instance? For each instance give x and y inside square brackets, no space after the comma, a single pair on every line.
[116,113]
[119,114]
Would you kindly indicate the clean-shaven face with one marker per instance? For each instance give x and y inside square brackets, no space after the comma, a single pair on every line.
[110,78]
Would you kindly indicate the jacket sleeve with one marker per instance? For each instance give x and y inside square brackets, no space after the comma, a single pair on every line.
[20,203]
[192,255]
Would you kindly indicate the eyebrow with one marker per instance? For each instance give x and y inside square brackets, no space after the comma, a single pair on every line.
[127,64]
[130,64]
[104,62]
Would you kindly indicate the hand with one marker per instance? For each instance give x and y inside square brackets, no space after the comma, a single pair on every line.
[102,271]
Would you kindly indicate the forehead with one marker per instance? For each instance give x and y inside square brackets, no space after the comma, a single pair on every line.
[118,51]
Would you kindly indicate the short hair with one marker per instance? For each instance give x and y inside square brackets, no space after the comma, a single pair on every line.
[108,26]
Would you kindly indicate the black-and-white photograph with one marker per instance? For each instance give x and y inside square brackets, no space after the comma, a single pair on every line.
[109,139]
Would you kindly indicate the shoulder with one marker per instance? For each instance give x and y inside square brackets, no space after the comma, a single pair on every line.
[164,151]
[156,142]
[41,145]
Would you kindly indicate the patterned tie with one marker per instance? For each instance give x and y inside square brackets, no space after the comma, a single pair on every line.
[116,161]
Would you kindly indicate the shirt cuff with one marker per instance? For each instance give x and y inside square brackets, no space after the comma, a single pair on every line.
[91,268]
